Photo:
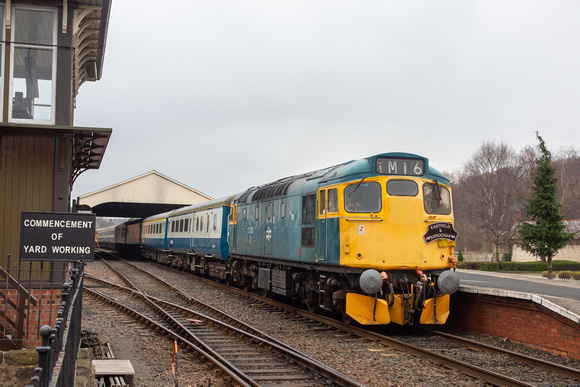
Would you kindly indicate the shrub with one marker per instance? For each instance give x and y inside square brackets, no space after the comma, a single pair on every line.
[565,274]
[469,265]
[576,275]
[507,257]
[490,266]
[565,266]
[460,256]
[545,274]
[523,266]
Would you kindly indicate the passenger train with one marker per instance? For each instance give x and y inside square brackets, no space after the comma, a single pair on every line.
[370,239]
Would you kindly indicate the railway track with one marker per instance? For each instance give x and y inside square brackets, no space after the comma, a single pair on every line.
[454,352]
[247,356]
[494,365]
[506,368]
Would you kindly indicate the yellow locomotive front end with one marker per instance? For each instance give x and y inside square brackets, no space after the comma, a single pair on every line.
[399,228]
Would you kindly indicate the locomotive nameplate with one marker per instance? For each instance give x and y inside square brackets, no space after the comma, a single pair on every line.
[57,236]
[441,230]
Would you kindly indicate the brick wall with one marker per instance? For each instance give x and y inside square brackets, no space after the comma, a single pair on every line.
[522,321]
[44,313]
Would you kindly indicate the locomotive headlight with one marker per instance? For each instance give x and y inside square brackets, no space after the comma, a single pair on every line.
[370,281]
[448,282]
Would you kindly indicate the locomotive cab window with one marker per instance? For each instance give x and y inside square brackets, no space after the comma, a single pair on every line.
[363,197]
[436,199]
[402,188]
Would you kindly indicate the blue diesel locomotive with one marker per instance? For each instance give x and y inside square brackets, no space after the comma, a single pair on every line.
[371,239]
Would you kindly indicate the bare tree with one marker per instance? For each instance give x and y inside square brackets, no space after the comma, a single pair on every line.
[490,192]
[567,164]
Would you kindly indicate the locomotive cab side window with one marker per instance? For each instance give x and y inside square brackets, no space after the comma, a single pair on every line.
[436,199]
[333,200]
[363,197]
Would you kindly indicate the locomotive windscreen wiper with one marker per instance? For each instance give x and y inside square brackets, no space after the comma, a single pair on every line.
[355,188]
[437,189]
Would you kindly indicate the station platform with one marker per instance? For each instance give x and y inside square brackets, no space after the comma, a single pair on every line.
[559,296]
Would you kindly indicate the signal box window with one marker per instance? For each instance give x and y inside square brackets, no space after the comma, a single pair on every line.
[33,70]
[437,199]
[363,197]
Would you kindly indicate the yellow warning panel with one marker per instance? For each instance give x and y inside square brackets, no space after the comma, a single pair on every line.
[441,307]
[362,309]
[398,310]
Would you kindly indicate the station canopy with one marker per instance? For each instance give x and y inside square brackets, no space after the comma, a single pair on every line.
[139,197]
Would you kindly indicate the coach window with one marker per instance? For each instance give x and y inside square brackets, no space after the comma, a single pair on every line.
[322,203]
[437,199]
[363,197]
[245,214]
[269,211]
[283,209]
[207,225]
[402,188]
[186,227]
[33,64]
[215,220]
[257,212]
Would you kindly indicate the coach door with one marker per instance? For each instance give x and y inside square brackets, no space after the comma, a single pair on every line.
[322,226]
[233,226]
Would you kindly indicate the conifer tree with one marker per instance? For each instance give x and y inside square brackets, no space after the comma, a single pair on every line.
[545,234]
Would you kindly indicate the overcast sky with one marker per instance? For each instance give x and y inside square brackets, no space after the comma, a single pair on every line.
[225,95]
